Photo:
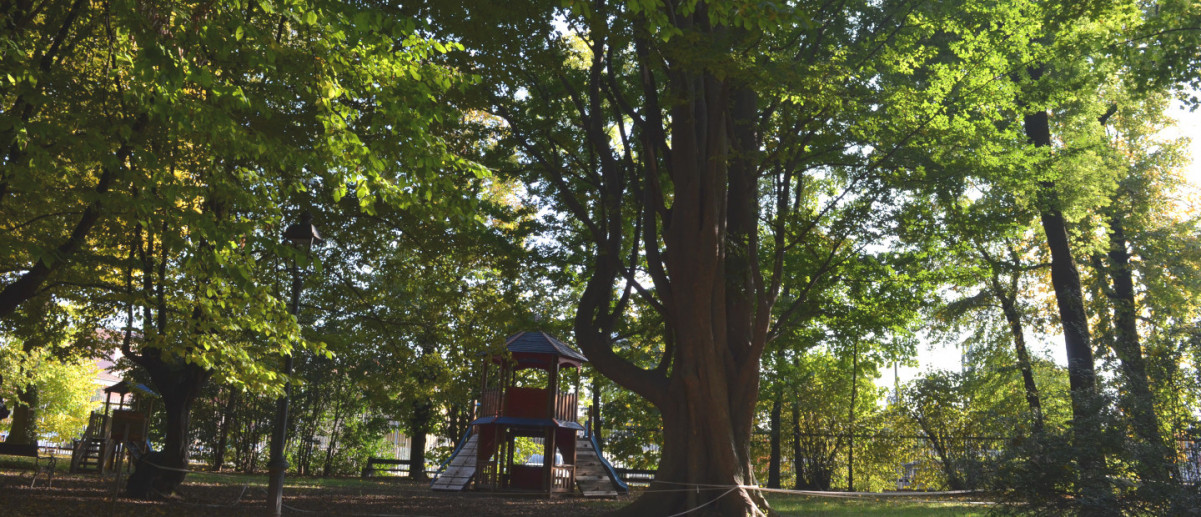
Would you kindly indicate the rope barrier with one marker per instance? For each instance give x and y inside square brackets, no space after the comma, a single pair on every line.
[711,501]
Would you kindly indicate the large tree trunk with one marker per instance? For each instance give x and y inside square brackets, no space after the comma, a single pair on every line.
[160,472]
[703,451]
[1137,400]
[24,428]
[693,198]
[1096,494]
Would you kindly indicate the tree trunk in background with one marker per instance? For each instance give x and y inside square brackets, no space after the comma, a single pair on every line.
[798,462]
[4,412]
[460,420]
[1086,401]
[227,419]
[851,418]
[327,468]
[1137,401]
[423,413]
[1014,318]
[419,427]
[596,418]
[773,465]
[24,428]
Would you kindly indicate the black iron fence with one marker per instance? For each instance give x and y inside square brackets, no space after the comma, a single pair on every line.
[872,462]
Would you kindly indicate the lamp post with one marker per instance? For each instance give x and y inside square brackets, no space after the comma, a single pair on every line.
[302,233]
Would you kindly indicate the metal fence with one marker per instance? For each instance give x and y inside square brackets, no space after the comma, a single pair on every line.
[866,461]
[877,461]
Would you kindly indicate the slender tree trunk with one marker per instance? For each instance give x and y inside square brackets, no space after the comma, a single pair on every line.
[1096,495]
[422,415]
[1138,401]
[24,427]
[773,465]
[1014,318]
[339,417]
[798,460]
[851,418]
[954,481]
[227,421]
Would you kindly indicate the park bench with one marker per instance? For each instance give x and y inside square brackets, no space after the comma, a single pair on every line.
[393,466]
[43,464]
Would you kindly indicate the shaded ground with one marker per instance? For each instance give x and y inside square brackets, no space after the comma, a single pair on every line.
[914,506]
[242,495]
[205,494]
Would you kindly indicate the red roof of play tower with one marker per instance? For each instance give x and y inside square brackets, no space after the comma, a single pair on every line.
[543,344]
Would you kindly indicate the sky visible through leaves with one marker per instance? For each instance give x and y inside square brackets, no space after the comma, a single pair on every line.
[938,356]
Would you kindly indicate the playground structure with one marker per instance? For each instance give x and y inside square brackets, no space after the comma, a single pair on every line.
[120,430]
[522,405]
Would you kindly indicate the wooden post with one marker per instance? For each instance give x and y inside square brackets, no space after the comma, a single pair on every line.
[108,399]
[483,389]
[548,457]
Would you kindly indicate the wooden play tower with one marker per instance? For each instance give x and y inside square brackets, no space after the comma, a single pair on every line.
[120,430]
[523,404]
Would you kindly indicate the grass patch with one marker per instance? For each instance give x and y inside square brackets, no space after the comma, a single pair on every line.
[788,504]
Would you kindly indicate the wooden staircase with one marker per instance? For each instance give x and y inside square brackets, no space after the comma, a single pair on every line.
[461,468]
[92,451]
[590,473]
[91,455]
